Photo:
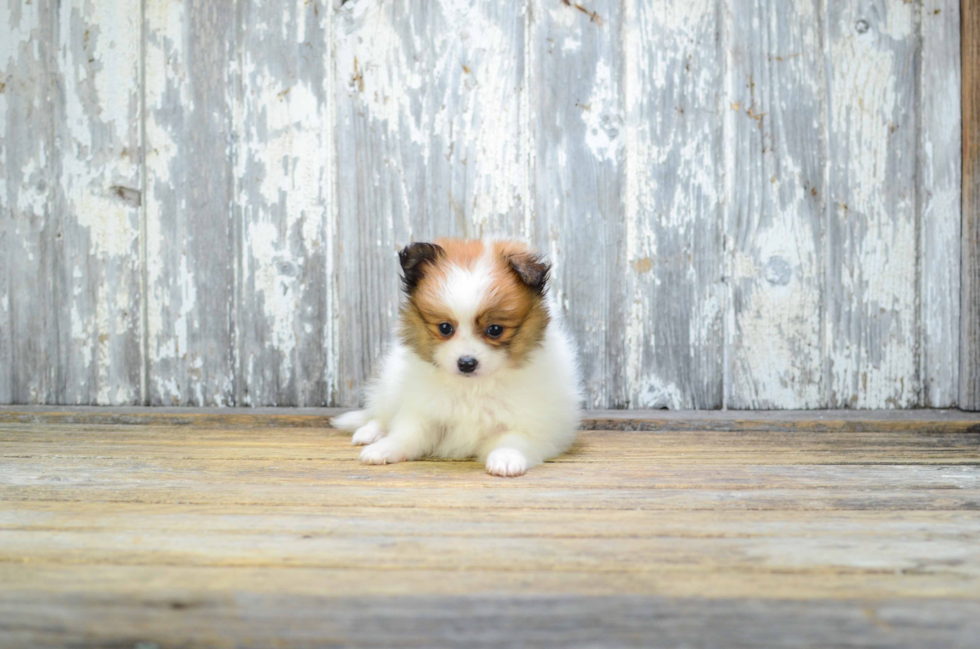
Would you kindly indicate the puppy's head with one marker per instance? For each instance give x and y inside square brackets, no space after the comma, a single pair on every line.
[473,307]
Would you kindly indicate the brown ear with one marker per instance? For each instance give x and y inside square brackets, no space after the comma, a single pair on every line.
[414,257]
[531,270]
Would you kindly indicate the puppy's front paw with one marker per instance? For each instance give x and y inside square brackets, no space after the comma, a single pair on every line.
[507,463]
[384,451]
[369,433]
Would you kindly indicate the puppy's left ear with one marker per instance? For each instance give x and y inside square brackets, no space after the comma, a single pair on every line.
[532,271]
[414,257]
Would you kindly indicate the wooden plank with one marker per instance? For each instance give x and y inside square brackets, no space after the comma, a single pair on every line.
[808,420]
[428,144]
[168,582]
[969,361]
[421,522]
[777,152]
[96,204]
[672,351]
[481,619]
[923,421]
[284,191]
[486,552]
[872,229]
[939,157]
[606,470]
[918,470]
[241,442]
[29,363]
[659,500]
[192,240]
[578,180]
[70,301]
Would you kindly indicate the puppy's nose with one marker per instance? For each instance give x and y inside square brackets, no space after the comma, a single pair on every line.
[467,364]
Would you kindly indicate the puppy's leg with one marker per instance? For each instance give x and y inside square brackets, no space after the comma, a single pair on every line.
[407,439]
[509,456]
[350,421]
[369,433]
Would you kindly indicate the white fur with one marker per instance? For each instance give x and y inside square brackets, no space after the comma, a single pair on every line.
[350,421]
[511,418]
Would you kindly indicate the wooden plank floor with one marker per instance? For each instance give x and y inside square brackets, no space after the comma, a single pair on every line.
[161,528]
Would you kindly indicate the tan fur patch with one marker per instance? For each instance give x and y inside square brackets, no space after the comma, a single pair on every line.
[513,305]
[461,252]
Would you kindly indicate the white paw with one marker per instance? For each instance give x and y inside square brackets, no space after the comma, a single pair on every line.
[369,433]
[384,451]
[506,462]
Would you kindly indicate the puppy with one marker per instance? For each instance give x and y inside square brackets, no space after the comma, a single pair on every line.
[481,367]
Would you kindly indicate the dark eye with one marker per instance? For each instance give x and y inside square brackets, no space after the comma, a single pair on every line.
[495,331]
[446,329]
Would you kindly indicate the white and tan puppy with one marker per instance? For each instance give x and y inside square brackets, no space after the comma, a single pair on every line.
[481,366]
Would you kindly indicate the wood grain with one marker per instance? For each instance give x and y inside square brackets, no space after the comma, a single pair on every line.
[872,224]
[939,186]
[480,621]
[71,296]
[578,180]
[777,113]
[29,366]
[921,421]
[284,194]
[192,234]
[216,533]
[969,361]
[96,203]
[675,186]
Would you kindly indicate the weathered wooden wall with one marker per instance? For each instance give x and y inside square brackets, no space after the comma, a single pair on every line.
[970,289]
[748,203]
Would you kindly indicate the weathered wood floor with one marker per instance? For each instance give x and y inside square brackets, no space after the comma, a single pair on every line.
[260,530]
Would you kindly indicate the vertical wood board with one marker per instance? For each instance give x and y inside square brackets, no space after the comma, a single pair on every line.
[96,203]
[969,387]
[29,371]
[777,148]
[872,316]
[939,187]
[191,233]
[284,130]
[674,271]
[577,123]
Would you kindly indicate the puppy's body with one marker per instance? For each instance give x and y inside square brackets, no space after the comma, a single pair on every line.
[481,366]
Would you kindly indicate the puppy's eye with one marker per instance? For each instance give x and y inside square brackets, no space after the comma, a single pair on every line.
[495,331]
[446,329]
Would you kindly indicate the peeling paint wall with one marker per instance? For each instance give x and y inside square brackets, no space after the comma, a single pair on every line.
[748,203]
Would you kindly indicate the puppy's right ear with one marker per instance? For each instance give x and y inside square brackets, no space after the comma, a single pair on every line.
[414,258]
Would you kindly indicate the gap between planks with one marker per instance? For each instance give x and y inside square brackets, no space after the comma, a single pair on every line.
[926,420]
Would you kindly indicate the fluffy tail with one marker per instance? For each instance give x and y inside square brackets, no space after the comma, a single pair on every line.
[350,421]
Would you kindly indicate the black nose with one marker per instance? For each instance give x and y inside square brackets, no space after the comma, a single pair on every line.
[467,364]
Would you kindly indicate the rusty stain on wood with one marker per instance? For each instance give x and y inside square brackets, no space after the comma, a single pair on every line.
[593,15]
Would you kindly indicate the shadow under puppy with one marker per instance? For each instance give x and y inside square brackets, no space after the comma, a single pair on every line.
[481,366]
